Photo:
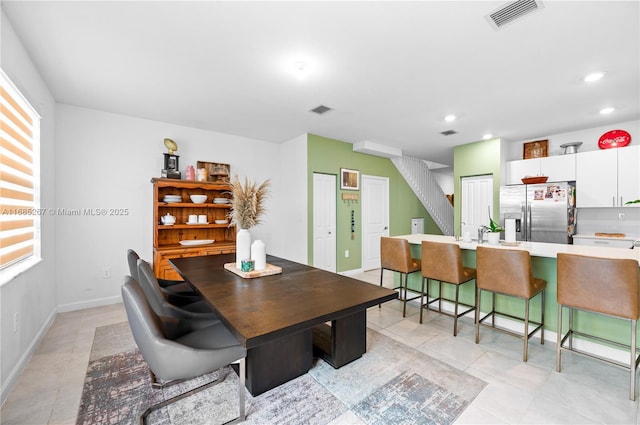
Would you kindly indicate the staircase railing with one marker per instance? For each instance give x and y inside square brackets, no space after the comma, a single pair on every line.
[421,180]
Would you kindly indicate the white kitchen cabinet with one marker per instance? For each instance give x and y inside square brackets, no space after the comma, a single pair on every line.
[607,178]
[516,170]
[629,175]
[558,168]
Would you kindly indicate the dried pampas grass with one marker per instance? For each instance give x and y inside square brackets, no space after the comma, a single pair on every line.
[247,204]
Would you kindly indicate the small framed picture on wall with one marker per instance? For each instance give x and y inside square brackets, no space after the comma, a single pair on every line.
[349,179]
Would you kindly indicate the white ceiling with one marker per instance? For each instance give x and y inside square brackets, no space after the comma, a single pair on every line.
[391,71]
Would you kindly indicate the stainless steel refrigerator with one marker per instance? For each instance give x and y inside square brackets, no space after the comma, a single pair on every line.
[543,212]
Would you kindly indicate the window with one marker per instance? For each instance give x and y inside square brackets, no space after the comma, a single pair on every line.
[19,178]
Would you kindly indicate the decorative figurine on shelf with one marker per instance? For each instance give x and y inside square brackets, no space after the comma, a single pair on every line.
[190,173]
[202,175]
[171,168]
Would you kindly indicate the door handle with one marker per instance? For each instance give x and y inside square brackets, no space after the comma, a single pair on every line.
[386,227]
[329,232]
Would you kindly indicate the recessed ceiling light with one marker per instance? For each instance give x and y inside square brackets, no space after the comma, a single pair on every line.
[595,76]
[605,111]
[487,136]
[450,118]
[300,69]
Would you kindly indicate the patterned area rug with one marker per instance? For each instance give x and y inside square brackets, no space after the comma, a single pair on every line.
[390,384]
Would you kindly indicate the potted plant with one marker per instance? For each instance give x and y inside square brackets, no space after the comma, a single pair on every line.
[493,232]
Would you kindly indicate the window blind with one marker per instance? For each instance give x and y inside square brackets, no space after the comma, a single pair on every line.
[19,212]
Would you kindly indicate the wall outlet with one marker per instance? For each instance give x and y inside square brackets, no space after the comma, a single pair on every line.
[346,253]
[15,322]
[106,272]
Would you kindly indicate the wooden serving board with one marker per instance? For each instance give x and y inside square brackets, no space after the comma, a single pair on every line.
[268,271]
[611,235]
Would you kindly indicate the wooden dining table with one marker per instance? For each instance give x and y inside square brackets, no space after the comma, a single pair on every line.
[284,319]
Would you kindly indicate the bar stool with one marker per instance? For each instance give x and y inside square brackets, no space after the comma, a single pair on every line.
[599,285]
[508,272]
[395,255]
[443,262]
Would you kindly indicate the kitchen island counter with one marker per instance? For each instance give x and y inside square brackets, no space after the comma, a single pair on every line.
[544,264]
[537,249]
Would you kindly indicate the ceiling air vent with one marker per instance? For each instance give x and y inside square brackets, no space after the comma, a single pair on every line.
[321,109]
[512,11]
[448,132]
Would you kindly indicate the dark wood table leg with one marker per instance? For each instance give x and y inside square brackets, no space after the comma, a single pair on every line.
[342,342]
[276,362]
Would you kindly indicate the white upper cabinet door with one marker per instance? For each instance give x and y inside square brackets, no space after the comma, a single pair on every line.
[597,178]
[628,175]
[559,168]
[516,170]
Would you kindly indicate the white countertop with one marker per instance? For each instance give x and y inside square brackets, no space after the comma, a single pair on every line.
[537,249]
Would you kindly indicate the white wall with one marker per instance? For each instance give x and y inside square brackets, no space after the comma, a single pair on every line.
[32,295]
[589,138]
[107,161]
[290,189]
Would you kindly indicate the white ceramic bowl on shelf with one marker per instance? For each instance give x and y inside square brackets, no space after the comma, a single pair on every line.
[222,221]
[198,199]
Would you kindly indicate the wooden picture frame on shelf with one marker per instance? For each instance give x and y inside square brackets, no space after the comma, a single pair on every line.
[349,179]
[537,149]
[217,172]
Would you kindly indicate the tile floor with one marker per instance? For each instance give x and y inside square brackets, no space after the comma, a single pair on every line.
[587,391]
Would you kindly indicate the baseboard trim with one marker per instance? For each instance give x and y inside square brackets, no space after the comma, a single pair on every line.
[10,381]
[352,272]
[81,305]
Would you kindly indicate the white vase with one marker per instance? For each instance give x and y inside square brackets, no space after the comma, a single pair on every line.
[259,255]
[493,238]
[243,245]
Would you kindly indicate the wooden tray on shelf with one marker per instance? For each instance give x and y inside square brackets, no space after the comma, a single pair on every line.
[268,271]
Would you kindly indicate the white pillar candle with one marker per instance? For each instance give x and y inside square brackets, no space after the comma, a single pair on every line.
[510,230]
[259,255]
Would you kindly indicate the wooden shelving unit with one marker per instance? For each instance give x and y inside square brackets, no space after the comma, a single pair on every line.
[167,238]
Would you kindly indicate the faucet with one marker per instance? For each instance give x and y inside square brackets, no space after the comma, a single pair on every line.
[459,235]
[481,231]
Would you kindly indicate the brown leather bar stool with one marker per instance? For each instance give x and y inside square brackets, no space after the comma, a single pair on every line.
[604,286]
[443,262]
[508,272]
[395,255]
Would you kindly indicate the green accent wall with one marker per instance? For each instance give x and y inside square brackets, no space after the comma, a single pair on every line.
[476,159]
[328,156]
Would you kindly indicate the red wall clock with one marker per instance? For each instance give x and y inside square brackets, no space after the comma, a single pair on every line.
[614,139]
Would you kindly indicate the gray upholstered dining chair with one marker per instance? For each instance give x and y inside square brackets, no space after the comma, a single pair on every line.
[198,310]
[178,289]
[162,341]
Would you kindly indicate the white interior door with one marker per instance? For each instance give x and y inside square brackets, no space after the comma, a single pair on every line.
[324,221]
[375,218]
[477,199]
